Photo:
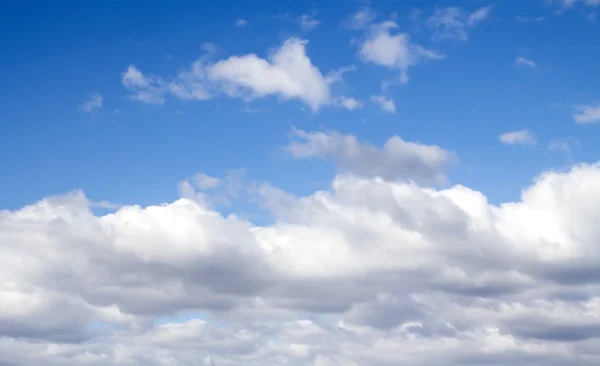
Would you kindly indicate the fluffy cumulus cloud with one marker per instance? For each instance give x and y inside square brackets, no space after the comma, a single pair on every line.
[454,23]
[287,73]
[386,47]
[519,137]
[375,270]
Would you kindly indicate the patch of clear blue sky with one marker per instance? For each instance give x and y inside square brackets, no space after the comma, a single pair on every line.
[55,54]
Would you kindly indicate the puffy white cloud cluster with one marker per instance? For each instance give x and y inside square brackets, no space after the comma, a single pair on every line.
[373,271]
[287,73]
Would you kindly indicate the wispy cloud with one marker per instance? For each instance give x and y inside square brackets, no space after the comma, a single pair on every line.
[523,19]
[525,62]
[386,105]
[454,22]
[92,104]
[587,114]
[520,137]
[241,23]
[360,19]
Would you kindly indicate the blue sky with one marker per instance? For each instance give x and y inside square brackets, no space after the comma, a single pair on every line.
[56,57]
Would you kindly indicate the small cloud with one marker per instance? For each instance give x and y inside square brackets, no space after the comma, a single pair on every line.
[386,47]
[308,22]
[335,76]
[209,47]
[95,102]
[525,62]
[570,3]
[386,105]
[559,145]
[349,103]
[117,111]
[479,15]
[520,137]
[523,19]
[453,22]
[587,114]
[241,23]
[360,19]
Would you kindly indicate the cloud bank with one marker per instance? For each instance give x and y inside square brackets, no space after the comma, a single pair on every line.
[379,269]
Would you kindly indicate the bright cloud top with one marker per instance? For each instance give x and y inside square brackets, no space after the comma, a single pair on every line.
[288,73]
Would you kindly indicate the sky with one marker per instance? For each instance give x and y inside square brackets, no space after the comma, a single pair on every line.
[299,183]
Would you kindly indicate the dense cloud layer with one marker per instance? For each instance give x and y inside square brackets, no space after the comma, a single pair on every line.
[373,271]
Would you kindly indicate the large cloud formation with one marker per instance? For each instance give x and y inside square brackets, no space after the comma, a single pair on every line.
[373,271]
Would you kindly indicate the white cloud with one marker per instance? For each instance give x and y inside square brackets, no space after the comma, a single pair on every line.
[386,105]
[454,23]
[525,62]
[407,276]
[92,104]
[520,137]
[587,114]
[241,23]
[396,159]
[287,73]
[394,50]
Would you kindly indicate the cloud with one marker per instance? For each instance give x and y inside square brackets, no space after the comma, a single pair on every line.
[92,104]
[308,22]
[360,19]
[454,23]
[587,114]
[241,23]
[287,73]
[520,137]
[368,272]
[146,89]
[386,105]
[349,103]
[396,159]
[523,19]
[384,47]
[524,62]
[569,3]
